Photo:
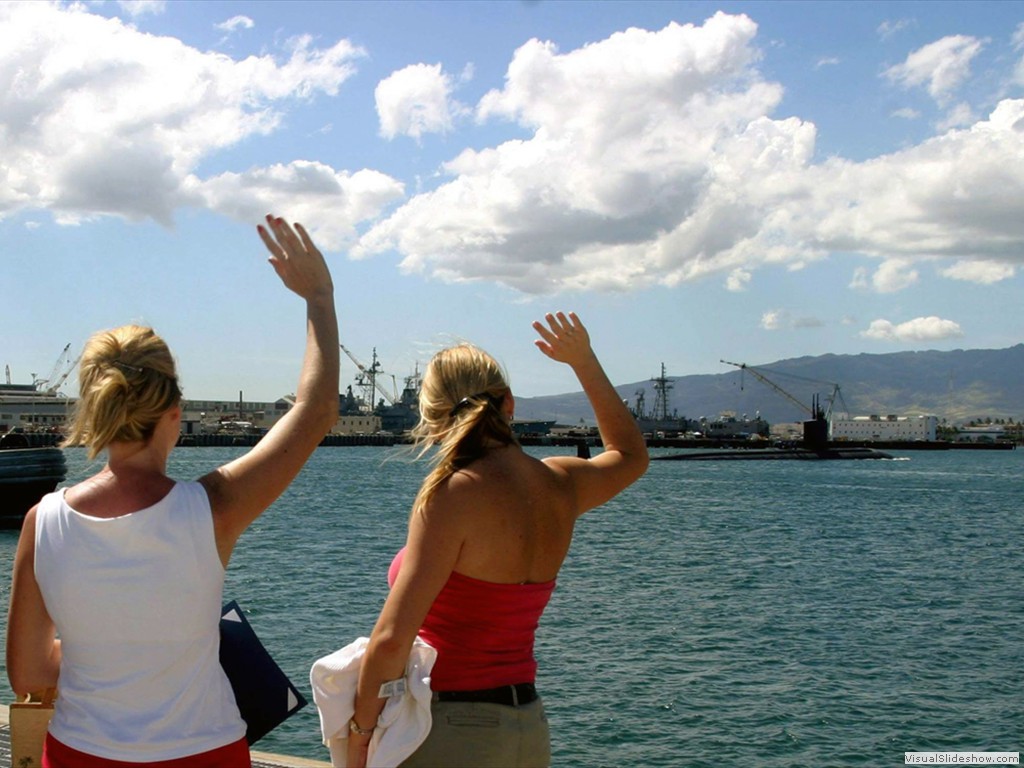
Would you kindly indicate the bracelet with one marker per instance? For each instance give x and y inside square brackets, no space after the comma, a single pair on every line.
[357,730]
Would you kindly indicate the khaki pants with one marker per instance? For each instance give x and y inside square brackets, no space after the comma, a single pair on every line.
[473,735]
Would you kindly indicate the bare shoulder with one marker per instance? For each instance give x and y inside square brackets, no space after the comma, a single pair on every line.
[563,466]
[457,493]
[213,484]
[28,528]
[24,555]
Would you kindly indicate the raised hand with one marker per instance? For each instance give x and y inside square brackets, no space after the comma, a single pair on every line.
[565,339]
[298,262]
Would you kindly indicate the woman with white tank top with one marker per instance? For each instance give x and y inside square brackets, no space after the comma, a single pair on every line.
[117,583]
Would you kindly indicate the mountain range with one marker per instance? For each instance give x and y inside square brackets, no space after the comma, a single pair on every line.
[958,386]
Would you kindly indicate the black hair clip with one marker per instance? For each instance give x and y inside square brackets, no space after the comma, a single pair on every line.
[125,367]
[472,400]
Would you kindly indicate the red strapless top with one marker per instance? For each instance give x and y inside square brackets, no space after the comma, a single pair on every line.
[483,631]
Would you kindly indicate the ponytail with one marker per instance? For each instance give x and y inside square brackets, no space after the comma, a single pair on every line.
[127,382]
[461,414]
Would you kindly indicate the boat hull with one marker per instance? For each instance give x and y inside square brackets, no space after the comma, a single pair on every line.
[774,454]
[25,475]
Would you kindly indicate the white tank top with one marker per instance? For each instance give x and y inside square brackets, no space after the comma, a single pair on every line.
[137,603]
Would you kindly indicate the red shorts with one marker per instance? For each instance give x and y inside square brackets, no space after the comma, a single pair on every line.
[57,755]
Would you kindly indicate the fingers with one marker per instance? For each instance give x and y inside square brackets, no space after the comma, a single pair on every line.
[269,242]
[547,335]
[563,338]
[560,326]
[282,241]
[307,241]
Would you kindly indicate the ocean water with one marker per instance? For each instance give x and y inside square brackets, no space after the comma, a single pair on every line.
[715,613]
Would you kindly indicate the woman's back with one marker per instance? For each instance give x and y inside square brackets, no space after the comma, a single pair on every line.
[489,531]
[137,599]
[516,514]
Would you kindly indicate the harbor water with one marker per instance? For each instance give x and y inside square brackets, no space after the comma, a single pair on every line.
[716,613]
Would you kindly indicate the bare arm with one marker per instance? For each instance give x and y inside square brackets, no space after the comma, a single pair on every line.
[432,549]
[624,458]
[241,490]
[33,652]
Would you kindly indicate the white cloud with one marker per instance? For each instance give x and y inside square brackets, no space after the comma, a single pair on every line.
[141,7]
[415,101]
[957,196]
[893,275]
[780,319]
[652,159]
[860,280]
[307,191]
[101,119]
[1017,38]
[772,320]
[906,113]
[826,61]
[889,28]
[959,116]
[981,272]
[235,23]
[919,329]
[738,280]
[941,67]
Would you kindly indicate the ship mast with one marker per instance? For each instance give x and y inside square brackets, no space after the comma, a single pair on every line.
[661,389]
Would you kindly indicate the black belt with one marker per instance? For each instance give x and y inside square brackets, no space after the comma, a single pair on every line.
[509,695]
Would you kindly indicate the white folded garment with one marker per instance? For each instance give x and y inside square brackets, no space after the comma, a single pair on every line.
[403,723]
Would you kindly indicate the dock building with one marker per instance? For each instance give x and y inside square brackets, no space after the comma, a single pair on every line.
[884,428]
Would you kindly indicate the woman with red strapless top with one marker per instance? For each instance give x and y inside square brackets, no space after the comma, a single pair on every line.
[489,530]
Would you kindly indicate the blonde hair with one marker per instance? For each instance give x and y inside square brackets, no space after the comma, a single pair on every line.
[460,412]
[127,381]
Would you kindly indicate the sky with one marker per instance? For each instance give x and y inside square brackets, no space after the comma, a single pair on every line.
[748,181]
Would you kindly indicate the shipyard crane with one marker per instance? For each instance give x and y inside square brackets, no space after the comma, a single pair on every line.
[836,393]
[52,389]
[368,376]
[61,370]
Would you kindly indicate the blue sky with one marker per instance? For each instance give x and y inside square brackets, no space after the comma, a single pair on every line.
[750,181]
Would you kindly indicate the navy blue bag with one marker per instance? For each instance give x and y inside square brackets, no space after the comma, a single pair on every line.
[265,695]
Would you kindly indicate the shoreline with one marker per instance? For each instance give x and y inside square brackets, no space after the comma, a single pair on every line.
[50,439]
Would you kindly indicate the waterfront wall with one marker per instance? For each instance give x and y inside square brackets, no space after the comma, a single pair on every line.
[48,439]
[576,442]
